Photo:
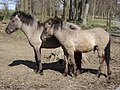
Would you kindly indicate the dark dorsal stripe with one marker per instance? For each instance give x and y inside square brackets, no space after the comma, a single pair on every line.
[24,17]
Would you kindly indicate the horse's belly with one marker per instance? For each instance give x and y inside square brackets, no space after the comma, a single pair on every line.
[84,49]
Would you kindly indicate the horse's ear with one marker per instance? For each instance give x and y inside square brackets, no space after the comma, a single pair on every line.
[19,15]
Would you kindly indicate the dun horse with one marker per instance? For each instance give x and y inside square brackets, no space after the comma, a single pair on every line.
[33,30]
[83,41]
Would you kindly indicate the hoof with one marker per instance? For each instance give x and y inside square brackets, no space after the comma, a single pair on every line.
[98,75]
[81,71]
[108,77]
[65,74]
[108,80]
[78,72]
[38,72]
[41,72]
[75,75]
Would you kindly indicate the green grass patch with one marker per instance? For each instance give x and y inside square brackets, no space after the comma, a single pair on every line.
[101,23]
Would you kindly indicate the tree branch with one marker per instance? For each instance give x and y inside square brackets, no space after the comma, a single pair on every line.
[61,1]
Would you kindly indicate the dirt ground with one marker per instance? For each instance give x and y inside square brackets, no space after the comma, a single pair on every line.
[17,66]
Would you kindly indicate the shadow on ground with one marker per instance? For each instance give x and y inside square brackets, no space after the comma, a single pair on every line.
[56,66]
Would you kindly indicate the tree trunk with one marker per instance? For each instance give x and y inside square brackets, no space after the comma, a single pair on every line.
[85,12]
[18,7]
[76,14]
[64,9]
[80,5]
[22,5]
[29,6]
[93,12]
[70,11]
[50,8]
[42,12]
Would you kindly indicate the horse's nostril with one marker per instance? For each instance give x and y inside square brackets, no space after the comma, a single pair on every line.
[7,31]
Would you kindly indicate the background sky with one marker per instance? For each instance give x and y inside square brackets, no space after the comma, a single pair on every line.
[11,6]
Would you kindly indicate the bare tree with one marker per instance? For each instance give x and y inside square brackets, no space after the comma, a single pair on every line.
[93,9]
[76,7]
[85,12]
[80,7]
[71,11]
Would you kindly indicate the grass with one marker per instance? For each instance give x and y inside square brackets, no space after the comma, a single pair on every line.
[101,23]
[6,16]
[98,23]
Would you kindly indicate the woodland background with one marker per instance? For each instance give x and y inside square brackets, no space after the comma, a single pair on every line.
[17,62]
[83,12]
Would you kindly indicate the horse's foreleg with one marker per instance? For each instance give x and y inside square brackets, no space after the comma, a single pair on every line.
[37,52]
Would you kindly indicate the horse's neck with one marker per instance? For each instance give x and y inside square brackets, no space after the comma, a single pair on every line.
[30,30]
[59,34]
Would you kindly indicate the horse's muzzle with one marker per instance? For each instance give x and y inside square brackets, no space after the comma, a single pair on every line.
[7,31]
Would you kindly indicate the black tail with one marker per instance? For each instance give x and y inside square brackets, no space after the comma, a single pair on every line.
[107,58]
[107,53]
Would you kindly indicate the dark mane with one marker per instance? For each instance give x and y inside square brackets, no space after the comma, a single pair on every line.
[39,24]
[24,17]
[57,22]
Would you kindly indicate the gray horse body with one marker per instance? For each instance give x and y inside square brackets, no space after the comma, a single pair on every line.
[83,41]
[96,39]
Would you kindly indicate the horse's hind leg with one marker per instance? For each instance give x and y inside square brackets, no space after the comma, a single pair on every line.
[101,60]
[78,58]
[73,64]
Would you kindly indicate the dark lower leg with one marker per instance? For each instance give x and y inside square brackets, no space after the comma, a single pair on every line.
[74,66]
[78,57]
[38,62]
[65,66]
[108,72]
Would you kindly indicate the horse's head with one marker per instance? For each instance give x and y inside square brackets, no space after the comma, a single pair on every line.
[50,26]
[48,30]
[14,24]
[17,20]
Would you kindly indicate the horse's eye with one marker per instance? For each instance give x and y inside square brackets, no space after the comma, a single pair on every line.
[49,23]
[13,21]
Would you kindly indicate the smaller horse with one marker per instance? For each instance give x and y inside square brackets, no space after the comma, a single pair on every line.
[33,30]
[96,39]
